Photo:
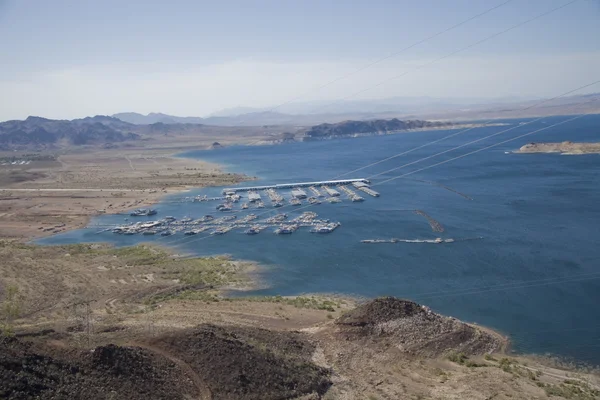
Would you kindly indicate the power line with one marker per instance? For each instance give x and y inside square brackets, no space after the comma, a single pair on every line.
[329,83]
[421,66]
[485,148]
[195,239]
[425,168]
[464,130]
[510,284]
[465,144]
[464,48]
[508,288]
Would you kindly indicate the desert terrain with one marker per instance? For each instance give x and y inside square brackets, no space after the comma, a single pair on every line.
[567,148]
[143,322]
[63,191]
[93,321]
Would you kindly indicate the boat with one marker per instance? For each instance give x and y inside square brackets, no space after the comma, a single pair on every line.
[148,233]
[260,204]
[278,204]
[334,200]
[356,198]
[295,202]
[190,233]
[234,198]
[325,228]
[224,207]
[143,212]
[221,230]
[167,233]
[286,229]
[169,218]
[254,230]
[244,206]
[314,200]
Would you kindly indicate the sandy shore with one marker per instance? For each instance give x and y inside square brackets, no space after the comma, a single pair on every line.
[46,197]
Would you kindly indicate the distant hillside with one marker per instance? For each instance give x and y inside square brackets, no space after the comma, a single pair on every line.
[360,128]
[153,118]
[41,133]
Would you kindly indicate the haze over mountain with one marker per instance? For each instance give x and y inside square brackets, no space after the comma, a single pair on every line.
[405,104]
[305,114]
[196,58]
[152,118]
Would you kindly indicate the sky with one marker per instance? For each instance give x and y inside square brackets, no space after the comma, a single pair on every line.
[70,59]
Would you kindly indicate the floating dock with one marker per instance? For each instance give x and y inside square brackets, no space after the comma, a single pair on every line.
[295,185]
[315,191]
[368,190]
[330,191]
[253,197]
[299,193]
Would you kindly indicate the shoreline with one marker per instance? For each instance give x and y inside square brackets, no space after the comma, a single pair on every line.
[67,193]
[160,196]
[562,148]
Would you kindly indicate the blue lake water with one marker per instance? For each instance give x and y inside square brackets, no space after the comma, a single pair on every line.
[535,275]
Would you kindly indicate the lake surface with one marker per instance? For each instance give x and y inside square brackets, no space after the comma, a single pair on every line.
[535,275]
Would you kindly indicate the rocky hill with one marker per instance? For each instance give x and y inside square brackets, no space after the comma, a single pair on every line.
[41,133]
[415,329]
[362,128]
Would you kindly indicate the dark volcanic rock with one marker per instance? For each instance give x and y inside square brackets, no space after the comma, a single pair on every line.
[379,126]
[107,372]
[229,362]
[249,363]
[380,310]
[415,329]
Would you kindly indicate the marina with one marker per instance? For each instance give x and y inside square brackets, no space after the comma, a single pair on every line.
[251,224]
[505,204]
[292,194]
[294,185]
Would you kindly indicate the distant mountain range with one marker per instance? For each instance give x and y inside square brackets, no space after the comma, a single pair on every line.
[120,129]
[398,104]
[153,118]
[307,114]
[41,133]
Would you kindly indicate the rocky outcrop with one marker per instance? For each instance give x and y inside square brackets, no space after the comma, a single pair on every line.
[415,329]
[208,361]
[563,148]
[374,127]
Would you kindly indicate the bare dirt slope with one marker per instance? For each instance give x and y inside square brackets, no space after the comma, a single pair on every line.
[90,321]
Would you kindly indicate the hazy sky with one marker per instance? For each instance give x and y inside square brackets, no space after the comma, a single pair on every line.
[68,59]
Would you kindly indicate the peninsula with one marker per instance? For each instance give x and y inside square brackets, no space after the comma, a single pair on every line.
[567,147]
